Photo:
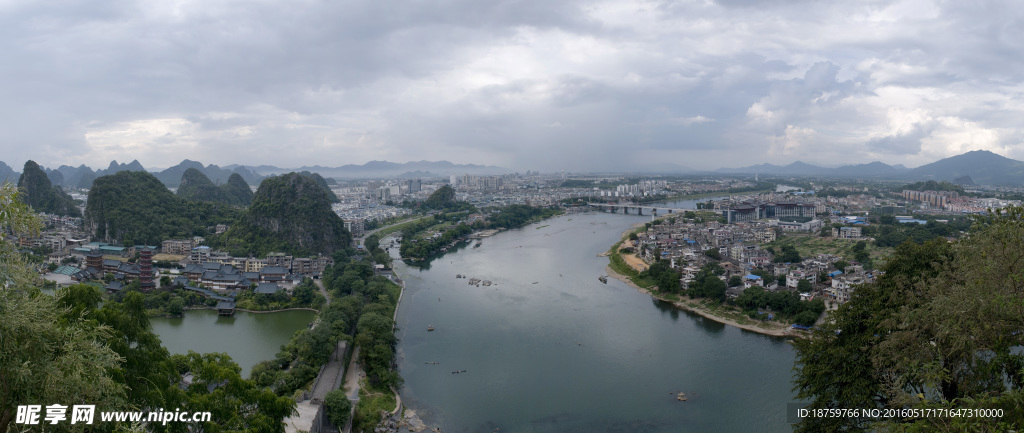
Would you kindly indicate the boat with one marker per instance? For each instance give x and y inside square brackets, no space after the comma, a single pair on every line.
[430,327]
[603,279]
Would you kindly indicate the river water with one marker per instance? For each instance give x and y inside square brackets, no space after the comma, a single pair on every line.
[247,337]
[549,348]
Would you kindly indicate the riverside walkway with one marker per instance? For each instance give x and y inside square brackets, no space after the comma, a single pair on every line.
[326,381]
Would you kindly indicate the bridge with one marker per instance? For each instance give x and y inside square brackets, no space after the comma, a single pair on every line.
[653,210]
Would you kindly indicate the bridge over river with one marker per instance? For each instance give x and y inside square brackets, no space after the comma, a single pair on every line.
[651,209]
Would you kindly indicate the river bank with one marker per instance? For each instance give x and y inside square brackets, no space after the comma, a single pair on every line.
[693,305]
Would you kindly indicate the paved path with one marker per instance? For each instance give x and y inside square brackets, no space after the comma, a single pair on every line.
[323,291]
[359,240]
[351,387]
[303,421]
[325,383]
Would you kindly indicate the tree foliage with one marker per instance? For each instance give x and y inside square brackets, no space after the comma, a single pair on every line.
[45,360]
[937,330]
[290,213]
[442,198]
[134,207]
[42,195]
[338,407]
[196,186]
[787,254]
[517,215]
[706,284]
[667,279]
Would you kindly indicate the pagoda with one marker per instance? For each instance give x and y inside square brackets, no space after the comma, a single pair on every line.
[146,269]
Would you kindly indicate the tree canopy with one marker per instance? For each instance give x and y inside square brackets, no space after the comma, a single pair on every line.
[134,207]
[290,213]
[937,330]
[42,195]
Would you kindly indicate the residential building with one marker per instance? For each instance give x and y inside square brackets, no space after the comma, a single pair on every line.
[177,246]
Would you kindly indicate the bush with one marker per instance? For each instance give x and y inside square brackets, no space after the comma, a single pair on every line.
[338,407]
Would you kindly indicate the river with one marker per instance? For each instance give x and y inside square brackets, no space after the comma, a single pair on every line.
[247,337]
[548,348]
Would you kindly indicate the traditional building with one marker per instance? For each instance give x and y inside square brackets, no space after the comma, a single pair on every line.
[146,269]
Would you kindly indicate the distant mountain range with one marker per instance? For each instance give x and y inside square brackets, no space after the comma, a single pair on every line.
[82,176]
[375,169]
[982,166]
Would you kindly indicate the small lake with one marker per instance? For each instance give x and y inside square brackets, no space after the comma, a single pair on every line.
[247,337]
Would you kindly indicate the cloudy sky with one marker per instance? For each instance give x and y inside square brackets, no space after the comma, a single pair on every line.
[529,84]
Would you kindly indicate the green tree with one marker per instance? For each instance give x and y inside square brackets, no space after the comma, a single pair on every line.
[735,281]
[176,306]
[235,404]
[934,331]
[841,265]
[45,358]
[804,286]
[339,408]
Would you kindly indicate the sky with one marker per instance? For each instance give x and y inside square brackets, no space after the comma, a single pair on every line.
[571,85]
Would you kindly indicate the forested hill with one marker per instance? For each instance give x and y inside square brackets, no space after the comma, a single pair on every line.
[197,186]
[323,184]
[134,207]
[290,213]
[238,190]
[42,195]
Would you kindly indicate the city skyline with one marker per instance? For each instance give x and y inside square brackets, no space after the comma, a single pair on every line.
[576,86]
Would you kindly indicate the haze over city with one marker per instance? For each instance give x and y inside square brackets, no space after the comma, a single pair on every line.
[576,86]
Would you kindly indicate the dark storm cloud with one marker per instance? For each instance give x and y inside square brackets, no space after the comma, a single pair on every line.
[523,84]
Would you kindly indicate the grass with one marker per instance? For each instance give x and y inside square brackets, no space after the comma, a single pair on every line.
[810,245]
[371,403]
[619,265]
[545,225]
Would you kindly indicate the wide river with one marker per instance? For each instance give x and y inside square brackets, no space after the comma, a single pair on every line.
[549,348]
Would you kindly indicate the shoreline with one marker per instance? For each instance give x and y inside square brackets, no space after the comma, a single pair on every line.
[779,332]
[782,332]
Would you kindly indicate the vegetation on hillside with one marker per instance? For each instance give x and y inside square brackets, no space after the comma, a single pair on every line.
[940,329]
[931,185]
[315,177]
[42,195]
[290,213]
[196,186]
[238,190]
[134,207]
